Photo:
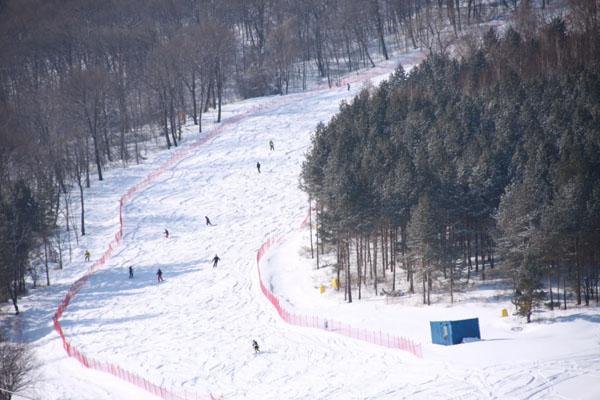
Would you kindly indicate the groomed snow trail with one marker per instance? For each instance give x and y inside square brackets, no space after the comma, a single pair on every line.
[193,331]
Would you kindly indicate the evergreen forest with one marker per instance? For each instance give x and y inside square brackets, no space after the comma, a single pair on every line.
[468,164]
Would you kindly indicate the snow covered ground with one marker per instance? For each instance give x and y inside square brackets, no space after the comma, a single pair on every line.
[192,332]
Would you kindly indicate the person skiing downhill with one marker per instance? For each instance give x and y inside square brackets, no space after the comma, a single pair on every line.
[271,145]
[166,233]
[208,221]
[159,276]
[215,260]
[130,272]
[258,167]
[255,346]
[87,255]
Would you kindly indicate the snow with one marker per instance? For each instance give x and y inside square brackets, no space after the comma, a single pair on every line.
[193,332]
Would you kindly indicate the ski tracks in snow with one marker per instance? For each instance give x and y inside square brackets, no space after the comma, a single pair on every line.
[218,305]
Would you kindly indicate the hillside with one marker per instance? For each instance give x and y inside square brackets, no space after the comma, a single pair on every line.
[191,334]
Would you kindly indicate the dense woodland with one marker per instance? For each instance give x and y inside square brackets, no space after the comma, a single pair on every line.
[85,84]
[490,160]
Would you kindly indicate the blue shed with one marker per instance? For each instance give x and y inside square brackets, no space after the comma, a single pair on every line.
[453,332]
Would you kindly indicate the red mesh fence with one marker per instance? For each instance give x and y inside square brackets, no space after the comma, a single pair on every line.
[375,337]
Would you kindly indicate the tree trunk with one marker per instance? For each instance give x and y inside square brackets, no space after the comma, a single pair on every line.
[380,31]
[409,269]
[219,89]
[13,292]
[322,242]
[597,287]
[194,100]
[410,26]
[369,259]
[82,207]
[476,252]
[202,95]
[312,253]
[577,272]
[457,2]
[339,262]
[384,261]
[452,245]
[451,283]
[209,90]
[105,133]
[366,50]
[565,292]
[93,126]
[165,119]
[429,288]
[172,120]
[469,262]
[358,266]
[366,255]
[317,236]
[319,48]
[550,290]
[491,254]
[375,265]
[60,256]
[348,53]
[46,259]
[469,5]
[348,280]
[481,241]
[124,125]
[393,234]
[86,159]
[424,275]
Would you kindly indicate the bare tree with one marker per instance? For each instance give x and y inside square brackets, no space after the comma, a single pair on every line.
[283,49]
[162,77]
[16,364]
[87,92]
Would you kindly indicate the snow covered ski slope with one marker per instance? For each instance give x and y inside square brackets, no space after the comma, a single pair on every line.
[192,333]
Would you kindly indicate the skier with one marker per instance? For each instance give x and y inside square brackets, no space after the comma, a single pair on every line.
[215,260]
[255,346]
[87,255]
[208,221]
[166,233]
[130,272]
[348,87]
[258,167]
[159,276]
[271,145]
